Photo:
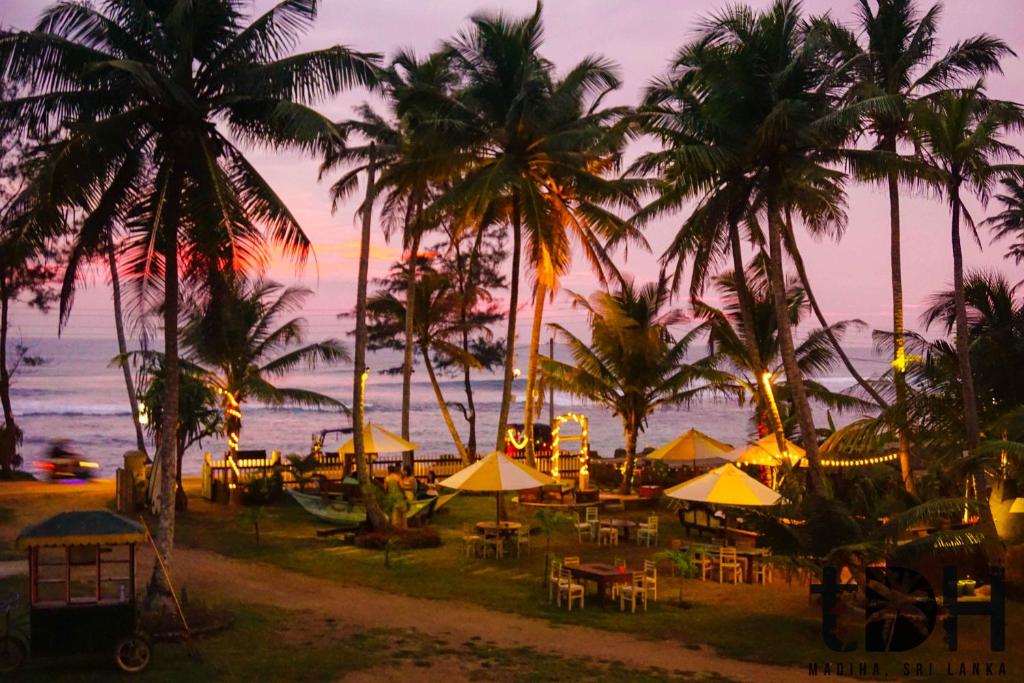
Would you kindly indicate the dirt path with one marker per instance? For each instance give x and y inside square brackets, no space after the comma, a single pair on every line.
[262,584]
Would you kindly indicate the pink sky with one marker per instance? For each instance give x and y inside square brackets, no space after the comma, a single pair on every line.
[851,278]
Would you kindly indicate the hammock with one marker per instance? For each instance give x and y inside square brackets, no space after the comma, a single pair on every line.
[342,513]
[334,511]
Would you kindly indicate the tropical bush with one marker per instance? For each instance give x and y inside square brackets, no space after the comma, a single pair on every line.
[400,539]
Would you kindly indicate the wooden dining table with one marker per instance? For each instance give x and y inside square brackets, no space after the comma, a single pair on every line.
[502,528]
[603,575]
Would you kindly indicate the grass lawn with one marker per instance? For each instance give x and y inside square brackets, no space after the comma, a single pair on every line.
[300,647]
[772,624]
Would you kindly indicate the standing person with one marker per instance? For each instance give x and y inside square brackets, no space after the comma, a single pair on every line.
[393,491]
[409,484]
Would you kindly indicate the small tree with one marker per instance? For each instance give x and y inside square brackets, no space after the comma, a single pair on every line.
[199,416]
[549,521]
[682,560]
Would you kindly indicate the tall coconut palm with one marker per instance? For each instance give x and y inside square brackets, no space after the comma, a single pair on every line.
[962,135]
[137,91]
[539,149]
[1009,223]
[633,364]
[702,158]
[122,342]
[893,63]
[436,327]
[408,169]
[238,337]
[771,74]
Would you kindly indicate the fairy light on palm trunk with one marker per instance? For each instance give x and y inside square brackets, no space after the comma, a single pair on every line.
[780,434]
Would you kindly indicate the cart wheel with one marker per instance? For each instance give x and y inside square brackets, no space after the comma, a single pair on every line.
[133,653]
[13,654]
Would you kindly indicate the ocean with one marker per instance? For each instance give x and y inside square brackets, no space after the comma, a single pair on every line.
[78,394]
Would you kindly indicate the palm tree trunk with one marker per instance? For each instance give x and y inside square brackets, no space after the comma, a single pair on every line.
[374,513]
[898,336]
[410,304]
[467,281]
[158,594]
[794,378]
[963,340]
[470,402]
[746,304]
[510,335]
[798,261]
[122,346]
[531,373]
[9,431]
[445,413]
[630,430]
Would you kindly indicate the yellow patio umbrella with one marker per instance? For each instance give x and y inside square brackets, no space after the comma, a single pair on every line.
[725,485]
[765,451]
[496,472]
[1018,505]
[691,446]
[376,439]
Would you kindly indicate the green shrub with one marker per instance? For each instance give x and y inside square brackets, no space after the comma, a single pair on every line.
[407,539]
[263,490]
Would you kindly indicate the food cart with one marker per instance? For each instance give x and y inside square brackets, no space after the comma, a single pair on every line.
[82,583]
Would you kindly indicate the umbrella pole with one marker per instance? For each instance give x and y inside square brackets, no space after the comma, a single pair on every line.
[497,507]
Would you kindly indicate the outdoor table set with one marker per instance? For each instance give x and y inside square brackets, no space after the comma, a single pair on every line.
[497,535]
[604,575]
[707,556]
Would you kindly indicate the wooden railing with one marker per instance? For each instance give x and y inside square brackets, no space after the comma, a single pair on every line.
[226,474]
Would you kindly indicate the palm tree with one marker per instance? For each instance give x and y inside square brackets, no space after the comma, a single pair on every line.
[136,91]
[730,369]
[995,323]
[241,342]
[961,133]
[771,74]
[408,169]
[502,77]
[435,327]
[633,364]
[473,262]
[894,64]
[122,342]
[539,148]
[702,157]
[1009,223]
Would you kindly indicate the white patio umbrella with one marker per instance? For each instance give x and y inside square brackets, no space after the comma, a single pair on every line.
[376,439]
[725,485]
[765,451]
[691,446]
[496,473]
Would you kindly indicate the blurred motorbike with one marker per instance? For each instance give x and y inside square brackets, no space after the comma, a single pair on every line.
[62,462]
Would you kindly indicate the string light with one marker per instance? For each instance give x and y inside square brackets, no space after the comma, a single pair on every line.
[233,417]
[861,462]
[518,444]
[584,437]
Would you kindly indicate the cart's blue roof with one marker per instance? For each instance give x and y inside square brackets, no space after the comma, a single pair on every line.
[86,527]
